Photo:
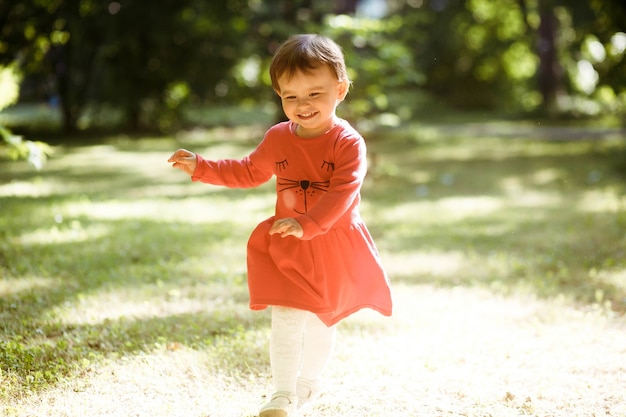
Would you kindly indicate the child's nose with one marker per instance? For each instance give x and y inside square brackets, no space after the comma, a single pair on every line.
[303,101]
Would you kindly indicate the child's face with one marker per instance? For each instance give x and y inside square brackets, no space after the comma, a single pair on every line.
[309,99]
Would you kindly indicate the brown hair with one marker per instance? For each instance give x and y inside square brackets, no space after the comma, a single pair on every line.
[304,53]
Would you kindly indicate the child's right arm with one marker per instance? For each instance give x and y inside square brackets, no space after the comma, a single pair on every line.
[233,173]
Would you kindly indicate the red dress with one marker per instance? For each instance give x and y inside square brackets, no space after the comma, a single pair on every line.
[334,269]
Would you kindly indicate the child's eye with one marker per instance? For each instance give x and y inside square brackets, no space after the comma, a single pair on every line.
[290,98]
[314,94]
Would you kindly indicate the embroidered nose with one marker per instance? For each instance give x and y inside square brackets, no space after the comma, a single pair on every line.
[304,184]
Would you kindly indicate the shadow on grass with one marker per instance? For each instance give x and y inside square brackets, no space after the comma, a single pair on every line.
[420,178]
[84,256]
[531,221]
[96,285]
[88,289]
[100,258]
[52,353]
[579,262]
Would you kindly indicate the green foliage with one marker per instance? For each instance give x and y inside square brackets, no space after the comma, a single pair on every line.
[153,61]
[145,59]
[9,87]
[476,54]
[15,148]
[379,65]
[179,51]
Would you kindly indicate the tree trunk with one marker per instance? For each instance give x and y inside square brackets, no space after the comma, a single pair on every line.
[345,7]
[549,70]
[70,118]
[59,56]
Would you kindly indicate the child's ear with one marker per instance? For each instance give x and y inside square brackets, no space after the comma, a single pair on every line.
[342,89]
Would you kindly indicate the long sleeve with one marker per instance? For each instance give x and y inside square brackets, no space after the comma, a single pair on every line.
[343,196]
[248,172]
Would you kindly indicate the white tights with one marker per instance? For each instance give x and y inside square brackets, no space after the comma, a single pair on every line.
[300,346]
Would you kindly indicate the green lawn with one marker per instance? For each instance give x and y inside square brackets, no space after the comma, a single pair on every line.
[123,284]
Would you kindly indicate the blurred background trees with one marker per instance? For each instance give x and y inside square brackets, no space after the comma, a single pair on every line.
[153,63]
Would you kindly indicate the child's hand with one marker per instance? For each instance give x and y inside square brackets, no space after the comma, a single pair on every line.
[184,160]
[287,227]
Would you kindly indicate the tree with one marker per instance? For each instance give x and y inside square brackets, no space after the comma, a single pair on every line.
[475,54]
[14,146]
[549,73]
[597,55]
[517,55]
[159,57]
[142,58]
[149,60]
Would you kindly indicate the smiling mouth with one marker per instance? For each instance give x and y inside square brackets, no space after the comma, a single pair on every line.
[307,115]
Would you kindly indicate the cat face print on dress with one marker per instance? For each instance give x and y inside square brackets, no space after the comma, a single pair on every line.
[298,194]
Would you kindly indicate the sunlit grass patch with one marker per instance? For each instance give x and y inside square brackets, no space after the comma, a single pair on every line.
[463,351]
[124,265]
[14,286]
[123,284]
[512,215]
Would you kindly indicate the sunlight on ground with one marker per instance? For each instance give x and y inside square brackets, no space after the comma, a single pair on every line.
[429,210]
[27,189]
[425,264]
[186,210]
[458,352]
[614,277]
[454,208]
[137,303]
[15,286]
[166,383]
[455,346]
[76,232]
[463,350]
[519,194]
[97,308]
[601,201]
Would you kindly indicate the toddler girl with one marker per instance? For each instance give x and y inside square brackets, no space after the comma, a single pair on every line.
[314,262]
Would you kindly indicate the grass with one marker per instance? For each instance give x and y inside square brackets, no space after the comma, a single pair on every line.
[123,288]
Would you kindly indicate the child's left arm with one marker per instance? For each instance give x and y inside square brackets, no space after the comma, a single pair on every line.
[344,192]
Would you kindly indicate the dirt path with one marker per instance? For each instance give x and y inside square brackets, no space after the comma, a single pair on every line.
[446,352]
[460,352]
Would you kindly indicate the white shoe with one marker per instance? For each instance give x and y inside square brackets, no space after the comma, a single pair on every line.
[282,404]
[307,391]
